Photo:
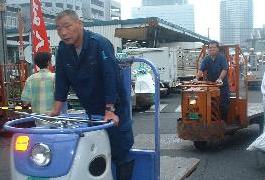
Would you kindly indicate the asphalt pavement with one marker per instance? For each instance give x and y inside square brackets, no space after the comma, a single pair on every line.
[229,160]
[226,160]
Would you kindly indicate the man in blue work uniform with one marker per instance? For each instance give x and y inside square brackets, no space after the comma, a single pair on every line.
[215,67]
[86,62]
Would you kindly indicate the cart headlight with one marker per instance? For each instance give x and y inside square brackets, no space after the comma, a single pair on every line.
[193,101]
[41,154]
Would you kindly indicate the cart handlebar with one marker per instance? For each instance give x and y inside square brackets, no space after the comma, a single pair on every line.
[59,125]
[199,84]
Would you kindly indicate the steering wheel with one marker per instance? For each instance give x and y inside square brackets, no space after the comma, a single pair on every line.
[61,128]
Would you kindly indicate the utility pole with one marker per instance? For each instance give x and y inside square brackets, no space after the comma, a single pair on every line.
[3,58]
[3,46]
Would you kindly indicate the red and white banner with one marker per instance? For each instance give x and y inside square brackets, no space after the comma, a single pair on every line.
[40,40]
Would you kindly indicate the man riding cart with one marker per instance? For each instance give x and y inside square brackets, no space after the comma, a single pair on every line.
[215,103]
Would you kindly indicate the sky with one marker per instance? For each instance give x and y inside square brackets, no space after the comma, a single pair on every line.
[206,19]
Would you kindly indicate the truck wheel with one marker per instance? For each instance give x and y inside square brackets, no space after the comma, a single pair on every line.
[166,85]
[168,91]
[201,145]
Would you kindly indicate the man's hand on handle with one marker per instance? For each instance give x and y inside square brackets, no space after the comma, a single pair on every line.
[56,108]
[111,116]
[219,81]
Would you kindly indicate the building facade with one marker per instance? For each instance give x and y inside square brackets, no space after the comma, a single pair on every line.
[11,17]
[88,9]
[115,10]
[158,2]
[182,1]
[162,2]
[236,21]
[11,24]
[179,14]
[96,9]
[101,9]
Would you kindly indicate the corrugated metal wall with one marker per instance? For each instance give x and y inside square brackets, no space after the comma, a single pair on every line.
[106,31]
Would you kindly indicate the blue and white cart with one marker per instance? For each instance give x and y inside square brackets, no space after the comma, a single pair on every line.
[75,147]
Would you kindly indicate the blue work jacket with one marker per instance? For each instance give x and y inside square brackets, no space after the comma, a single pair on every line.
[214,69]
[94,76]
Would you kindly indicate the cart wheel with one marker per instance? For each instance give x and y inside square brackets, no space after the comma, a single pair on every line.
[201,145]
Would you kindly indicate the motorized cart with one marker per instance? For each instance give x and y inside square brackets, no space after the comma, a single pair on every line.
[201,120]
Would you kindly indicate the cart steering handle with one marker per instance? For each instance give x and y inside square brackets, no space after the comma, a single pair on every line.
[199,84]
[9,126]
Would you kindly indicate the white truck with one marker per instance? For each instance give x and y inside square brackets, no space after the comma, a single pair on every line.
[165,60]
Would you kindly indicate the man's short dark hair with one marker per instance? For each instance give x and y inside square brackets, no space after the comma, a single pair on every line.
[67,12]
[214,42]
[42,59]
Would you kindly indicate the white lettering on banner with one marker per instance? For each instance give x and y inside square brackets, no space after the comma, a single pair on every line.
[36,19]
[41,41]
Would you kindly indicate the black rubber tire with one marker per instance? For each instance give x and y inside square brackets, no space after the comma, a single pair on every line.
[168,91]
[200,145]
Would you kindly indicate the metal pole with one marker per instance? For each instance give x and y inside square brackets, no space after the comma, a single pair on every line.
[156,116]
[3,54]
[3,46]
[155,38]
